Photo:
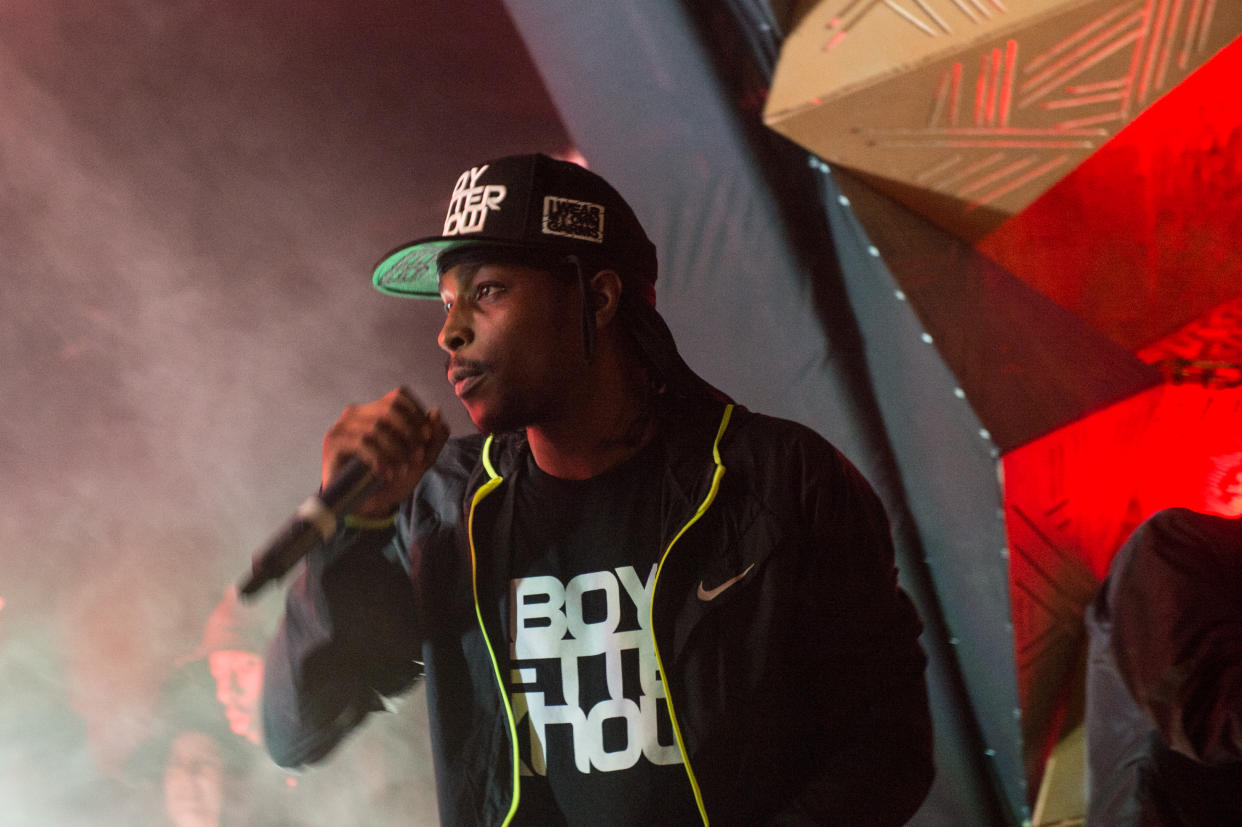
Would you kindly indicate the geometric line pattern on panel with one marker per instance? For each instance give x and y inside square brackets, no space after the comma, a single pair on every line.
[1055,586]
[1009,119]
[922,14]
[1049,588]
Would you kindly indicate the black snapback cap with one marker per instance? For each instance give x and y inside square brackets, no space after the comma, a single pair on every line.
[532,202]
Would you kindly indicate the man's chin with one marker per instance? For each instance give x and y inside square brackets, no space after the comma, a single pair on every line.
[488,420]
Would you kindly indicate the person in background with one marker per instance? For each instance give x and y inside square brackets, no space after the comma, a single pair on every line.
[193,771]
[233,640]
[635,601]
[1164,677]
[196,775]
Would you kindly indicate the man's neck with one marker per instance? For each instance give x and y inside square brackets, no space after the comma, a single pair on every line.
[606,431]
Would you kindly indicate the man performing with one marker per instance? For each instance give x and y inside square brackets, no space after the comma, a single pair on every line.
[633,601]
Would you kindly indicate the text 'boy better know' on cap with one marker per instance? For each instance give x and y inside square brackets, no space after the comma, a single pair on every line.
[532,202]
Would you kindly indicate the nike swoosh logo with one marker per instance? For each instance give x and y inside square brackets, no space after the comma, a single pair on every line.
[711,594]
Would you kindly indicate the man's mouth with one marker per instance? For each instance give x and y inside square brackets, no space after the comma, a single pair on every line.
[464,377]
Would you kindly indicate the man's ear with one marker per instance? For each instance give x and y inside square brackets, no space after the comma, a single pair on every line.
[605,296]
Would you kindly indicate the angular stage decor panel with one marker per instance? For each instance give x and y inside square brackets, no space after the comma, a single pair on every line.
[968,110]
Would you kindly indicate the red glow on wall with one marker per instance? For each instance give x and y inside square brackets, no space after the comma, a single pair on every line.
[1073,497]
[1087,485]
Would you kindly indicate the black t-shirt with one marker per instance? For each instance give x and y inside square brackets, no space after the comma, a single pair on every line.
[595,737]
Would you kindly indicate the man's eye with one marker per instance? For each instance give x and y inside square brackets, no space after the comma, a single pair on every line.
[485,290]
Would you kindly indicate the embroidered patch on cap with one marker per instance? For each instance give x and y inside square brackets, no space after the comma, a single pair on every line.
[472,202]
[573,219]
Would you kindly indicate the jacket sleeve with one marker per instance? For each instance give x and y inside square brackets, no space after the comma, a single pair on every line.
[872,724]
[349,637]
[1175,591]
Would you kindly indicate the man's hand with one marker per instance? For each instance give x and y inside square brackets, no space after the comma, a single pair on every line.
[395,437]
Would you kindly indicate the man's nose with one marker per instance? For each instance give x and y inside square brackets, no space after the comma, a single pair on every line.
[455,332]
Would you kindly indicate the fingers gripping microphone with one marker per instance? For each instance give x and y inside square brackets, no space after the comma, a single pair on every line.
[314,523]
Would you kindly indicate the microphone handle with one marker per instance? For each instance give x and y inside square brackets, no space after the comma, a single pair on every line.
[313,524]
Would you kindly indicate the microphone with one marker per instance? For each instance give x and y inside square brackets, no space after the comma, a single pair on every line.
[313,524]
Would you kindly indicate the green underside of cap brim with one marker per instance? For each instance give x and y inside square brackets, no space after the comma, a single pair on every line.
[412,271]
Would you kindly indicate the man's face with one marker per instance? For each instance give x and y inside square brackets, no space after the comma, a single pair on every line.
[194,781]
[239,683]
[513,335]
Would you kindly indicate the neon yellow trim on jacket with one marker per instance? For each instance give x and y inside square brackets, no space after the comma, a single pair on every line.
[668,694]
[493,481]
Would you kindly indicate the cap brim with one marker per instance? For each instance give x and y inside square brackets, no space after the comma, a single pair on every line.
[411,270]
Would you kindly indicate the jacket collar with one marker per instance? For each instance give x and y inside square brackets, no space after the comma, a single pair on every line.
[688,429]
